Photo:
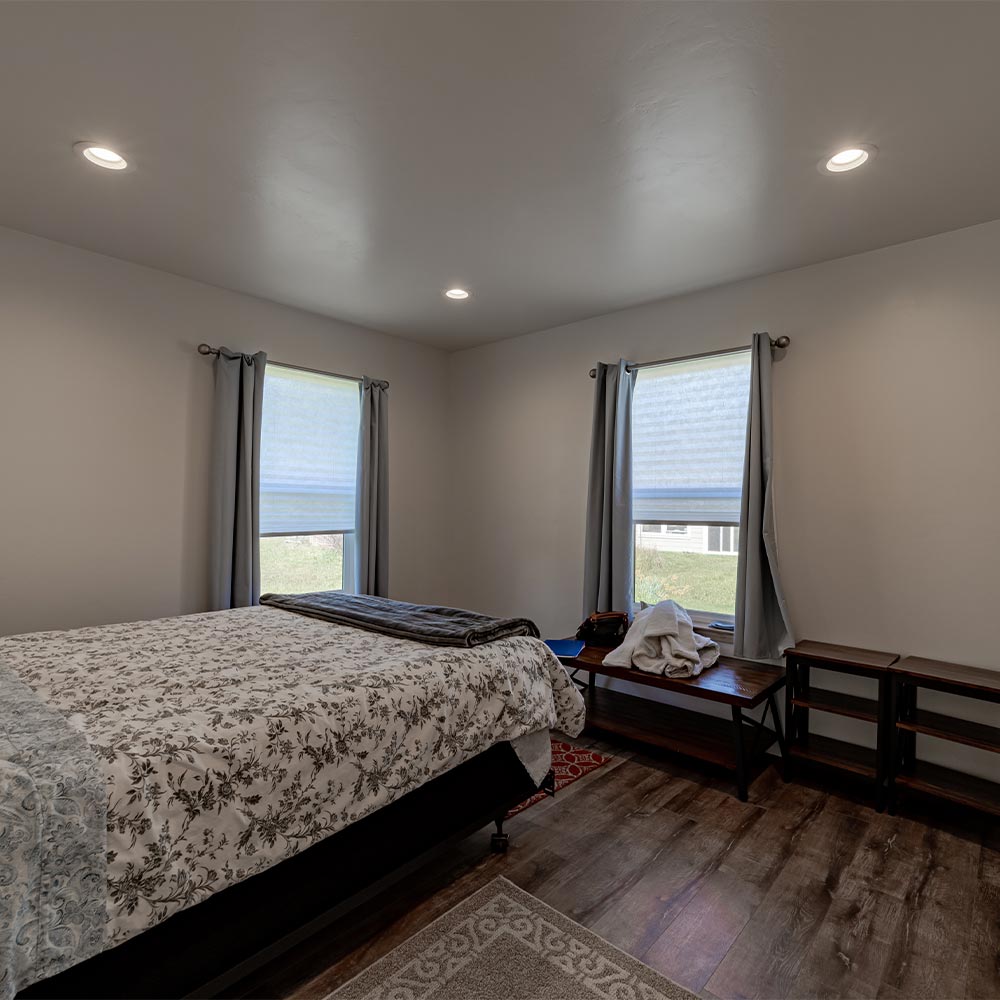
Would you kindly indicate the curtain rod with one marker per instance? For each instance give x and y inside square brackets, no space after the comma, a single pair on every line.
[207,349]
[781,342]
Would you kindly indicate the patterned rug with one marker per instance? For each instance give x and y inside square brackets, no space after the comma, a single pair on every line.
[568,763]
[501,943]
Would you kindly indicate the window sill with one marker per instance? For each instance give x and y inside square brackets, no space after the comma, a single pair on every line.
[702,621]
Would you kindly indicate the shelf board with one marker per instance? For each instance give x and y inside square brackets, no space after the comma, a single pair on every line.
[684,731]
[945,727]
[850,705]
[943,782]
[836,753]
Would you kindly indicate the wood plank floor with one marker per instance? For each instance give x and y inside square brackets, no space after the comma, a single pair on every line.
[799,892]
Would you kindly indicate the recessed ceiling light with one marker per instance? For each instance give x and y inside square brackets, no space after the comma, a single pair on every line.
[849,159]
[457,293]
[101,155]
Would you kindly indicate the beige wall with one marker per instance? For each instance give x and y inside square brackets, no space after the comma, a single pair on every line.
[887,416]
[105,433]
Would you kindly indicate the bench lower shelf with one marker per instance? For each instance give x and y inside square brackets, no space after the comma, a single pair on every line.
[679,730]
[865,709]
[955,786]
[946,727]
[836,753]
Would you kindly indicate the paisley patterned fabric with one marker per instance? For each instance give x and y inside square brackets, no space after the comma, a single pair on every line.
[52,824]
[229,741]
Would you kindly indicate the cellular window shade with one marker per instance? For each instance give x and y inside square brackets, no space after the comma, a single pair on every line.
[308,452]
[689,423]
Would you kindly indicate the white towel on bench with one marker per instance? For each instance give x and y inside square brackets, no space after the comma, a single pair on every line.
[662,640]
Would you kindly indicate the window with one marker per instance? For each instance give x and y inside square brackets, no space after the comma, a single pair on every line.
[308,480]
[724,539]
[688,441]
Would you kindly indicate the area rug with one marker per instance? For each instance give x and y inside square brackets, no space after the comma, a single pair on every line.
[503,944]
[568,764]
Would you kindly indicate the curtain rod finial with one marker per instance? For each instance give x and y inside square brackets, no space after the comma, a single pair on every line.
[205,349]
[781,341]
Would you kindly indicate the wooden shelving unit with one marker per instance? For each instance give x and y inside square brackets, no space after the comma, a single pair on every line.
[802,698]
[907,771]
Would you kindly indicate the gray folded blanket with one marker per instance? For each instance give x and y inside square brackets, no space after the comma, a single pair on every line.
[421,622]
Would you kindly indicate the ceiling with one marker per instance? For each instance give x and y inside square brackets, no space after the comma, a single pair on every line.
[560,160]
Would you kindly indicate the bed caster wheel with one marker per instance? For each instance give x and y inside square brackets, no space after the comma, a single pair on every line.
[499,843]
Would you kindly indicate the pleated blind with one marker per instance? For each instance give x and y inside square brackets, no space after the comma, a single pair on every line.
[308,452]
[689,421]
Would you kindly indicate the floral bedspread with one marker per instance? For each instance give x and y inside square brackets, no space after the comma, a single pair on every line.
[229,741]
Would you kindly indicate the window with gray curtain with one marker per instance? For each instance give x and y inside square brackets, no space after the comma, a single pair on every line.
[689,430]
[308,481]
[234,559]
[763,626]
[607,562]
[372,564]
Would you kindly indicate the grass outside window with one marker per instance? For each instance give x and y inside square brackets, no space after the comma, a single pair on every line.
[301,564]
[697,581]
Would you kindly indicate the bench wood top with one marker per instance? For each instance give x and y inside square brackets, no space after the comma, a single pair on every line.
[731,681]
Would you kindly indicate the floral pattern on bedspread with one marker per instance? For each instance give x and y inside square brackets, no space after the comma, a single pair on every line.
[235,739]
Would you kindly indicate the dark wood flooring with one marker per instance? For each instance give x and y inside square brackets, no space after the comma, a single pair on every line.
[799,892]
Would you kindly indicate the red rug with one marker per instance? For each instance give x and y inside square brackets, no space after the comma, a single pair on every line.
[568,764]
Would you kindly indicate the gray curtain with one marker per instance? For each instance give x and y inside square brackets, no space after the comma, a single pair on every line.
[235,546]
[762,624]
[372,535]
[609,557]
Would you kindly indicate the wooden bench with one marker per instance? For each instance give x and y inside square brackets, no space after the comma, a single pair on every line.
[735,743]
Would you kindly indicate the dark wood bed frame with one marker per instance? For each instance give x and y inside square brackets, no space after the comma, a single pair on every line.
[203,950]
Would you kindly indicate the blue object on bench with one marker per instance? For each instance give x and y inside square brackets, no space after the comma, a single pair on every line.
[565,648]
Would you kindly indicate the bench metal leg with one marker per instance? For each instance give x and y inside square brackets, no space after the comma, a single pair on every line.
[805,682]
[791,681]
[741,763]
[894,745]
[779,731]
[882,744]
[908,739]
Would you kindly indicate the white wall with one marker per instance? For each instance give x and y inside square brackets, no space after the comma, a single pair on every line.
[105,434]
[887,416]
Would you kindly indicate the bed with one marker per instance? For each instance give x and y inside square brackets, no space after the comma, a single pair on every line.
[153,773]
